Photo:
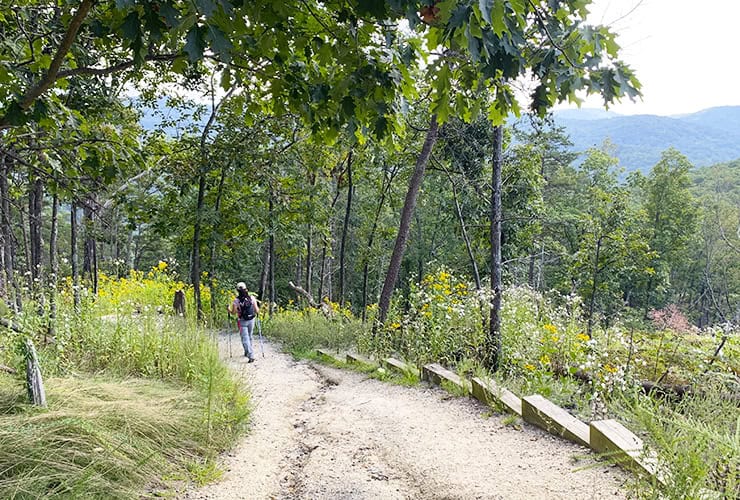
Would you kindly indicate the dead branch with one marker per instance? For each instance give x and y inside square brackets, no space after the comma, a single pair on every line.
[323,306]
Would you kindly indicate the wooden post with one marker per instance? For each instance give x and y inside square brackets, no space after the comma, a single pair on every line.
[178,304]
[34,381]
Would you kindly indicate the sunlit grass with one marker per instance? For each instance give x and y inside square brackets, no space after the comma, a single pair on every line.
[102,437]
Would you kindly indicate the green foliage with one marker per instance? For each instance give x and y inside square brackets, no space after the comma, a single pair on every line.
[301,332]
[443,323]
[697,439]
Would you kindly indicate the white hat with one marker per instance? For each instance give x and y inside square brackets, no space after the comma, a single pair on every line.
[241,286]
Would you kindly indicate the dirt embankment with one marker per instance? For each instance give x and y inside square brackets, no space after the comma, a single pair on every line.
[320,432]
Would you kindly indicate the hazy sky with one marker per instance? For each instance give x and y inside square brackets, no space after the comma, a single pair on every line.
[686,53]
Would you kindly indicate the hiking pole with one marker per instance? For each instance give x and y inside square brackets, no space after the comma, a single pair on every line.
[259,332]
[228,331]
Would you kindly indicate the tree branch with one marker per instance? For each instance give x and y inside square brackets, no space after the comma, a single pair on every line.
[56,63]
[116,67]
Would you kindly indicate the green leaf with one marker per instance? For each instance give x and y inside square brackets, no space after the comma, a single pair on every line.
[485,9]
[459,16]
[226,79]
[372,8]
[219,43]
[207,7]
[14,115]
[40,110]
[194,45]
[125,4]
[498,18]
[169,14]
[473,45]
[131,26]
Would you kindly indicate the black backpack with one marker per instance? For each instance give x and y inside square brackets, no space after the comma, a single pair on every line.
[246,308]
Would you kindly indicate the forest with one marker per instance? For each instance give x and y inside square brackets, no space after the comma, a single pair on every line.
[385,177]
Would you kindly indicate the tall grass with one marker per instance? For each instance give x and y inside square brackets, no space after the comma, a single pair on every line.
[99,438]
[697,439]
[300,332]
[131,397]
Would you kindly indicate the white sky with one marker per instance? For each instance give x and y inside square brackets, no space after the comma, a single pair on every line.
[686,53]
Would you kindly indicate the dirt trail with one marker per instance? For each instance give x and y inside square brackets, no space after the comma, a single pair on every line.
[319,432]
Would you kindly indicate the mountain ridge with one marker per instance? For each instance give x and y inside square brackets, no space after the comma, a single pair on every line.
[706,137]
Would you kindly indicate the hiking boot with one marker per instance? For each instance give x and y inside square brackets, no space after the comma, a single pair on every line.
[251,360]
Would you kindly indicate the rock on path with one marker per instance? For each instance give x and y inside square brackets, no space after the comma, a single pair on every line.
[324,433]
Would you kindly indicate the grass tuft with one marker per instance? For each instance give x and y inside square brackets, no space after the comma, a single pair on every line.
[100,437]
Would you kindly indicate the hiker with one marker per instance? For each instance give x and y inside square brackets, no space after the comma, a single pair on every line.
[246,309]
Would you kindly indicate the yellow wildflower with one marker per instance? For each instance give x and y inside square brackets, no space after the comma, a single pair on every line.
[554,338]
[551,328]
[610,368]
[161,266]
[545,359]
[583,337]
[529,367]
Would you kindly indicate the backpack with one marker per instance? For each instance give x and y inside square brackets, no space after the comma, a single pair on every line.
[246,308]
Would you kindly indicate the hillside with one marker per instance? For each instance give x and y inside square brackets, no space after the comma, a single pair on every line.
[707,137]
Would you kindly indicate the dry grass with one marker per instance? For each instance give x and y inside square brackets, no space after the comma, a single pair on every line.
[100,438]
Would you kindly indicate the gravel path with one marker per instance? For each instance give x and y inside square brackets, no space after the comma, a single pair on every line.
[319,432]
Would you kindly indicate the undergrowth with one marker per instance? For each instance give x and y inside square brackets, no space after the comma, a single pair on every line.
[134,397]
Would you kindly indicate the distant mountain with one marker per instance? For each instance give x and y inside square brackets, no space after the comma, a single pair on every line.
[706,137]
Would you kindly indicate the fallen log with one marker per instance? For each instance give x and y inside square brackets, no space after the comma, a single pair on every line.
[323,306]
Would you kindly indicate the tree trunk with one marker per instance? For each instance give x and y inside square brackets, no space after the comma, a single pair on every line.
[323,270]
[466,238]
[54,264]
[406,214]
[594,283]
[8,239]
[309,237]
[195,266]
[26,248]
[202,171]
[493,341]
[90,260]
[271,211]
[212,257]
[73,256]
[34,381]
[371,238]
[265,273]
[35,205]
[309,261]
[345,230]
[420,256]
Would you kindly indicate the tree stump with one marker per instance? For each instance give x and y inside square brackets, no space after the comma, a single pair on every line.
[178,304]
[34,382]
